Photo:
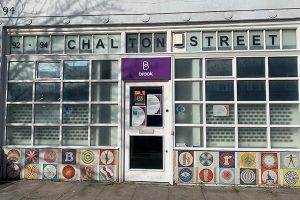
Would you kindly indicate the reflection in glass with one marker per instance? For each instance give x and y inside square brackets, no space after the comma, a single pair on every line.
[105,69]
[20,113]
[283,67]
[219,90]
[48,70]
[46,135]
[188,68]
[47,91]
[20,135]
[75,70]
[250,67]
[146,152]
[75,114]
[188,113]
[46,113]
[75,136]
[19,92]
[104,136]
[104,114]
[219,67]
[21,70]
[57,44]
[252,137]
[251,90]
[188,91]
[284,91]
[188,136]
[104,91]
[76,92]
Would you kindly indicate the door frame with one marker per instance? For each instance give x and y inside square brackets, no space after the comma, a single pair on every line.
[167,136]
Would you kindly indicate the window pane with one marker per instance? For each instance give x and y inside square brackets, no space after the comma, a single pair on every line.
[105,69]
[47,91]
[18,135]
[285,138]
[104,114]
[21,70]
[19,113]
[16,45]
[273,39]
[240,40]
[219,114]
[29,44]
[289,39]
[19,92]
[75,136]
[105,92]
[46,136]
[250,67]
[104,136]
[188,91]
[256,40]
[188,113]
[74,70]
[208,41]
[57,44]
[75,114]
[193,41]
[100,43]
[224,40]
[132,43]
[251,90]
[219,90]
[219,67]
[72,44]
[285,114]
[43,45]
[85,44]
[284,91]
[160,42]
[252,137]
[76,92]
[188,68]
[283,67]
[48,70]
[146,42]
[252,114]
[219,137]
[188,136]
[48,114]
[114,42]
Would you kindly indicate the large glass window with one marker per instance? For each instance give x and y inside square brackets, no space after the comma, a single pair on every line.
[57,103]
[283,67]
[250,67]
[220,67]
[251,90]
[219,91]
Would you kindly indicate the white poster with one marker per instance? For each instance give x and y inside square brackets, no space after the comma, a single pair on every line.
[220,110]
[138,117]
[154,104]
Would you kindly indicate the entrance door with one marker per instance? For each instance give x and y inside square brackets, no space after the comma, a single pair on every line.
[147,132]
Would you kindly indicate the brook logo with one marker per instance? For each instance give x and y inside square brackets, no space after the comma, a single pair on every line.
[146,67]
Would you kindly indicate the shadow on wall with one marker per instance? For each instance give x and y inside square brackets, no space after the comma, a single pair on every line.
[21,12]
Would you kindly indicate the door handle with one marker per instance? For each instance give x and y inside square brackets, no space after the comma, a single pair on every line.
[167,151]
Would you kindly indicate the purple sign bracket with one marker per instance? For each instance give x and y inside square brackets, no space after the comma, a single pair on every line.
[158,68]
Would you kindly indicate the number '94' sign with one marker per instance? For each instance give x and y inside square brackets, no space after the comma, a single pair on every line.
[8,10]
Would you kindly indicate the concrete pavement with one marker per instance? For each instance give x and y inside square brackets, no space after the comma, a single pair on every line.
[40,189]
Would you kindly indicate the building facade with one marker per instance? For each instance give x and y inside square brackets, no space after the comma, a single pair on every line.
[178,92]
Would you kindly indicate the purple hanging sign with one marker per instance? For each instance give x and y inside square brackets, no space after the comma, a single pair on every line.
[146,68]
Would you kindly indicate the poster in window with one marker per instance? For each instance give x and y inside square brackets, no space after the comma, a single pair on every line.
[220,110]
[154,104]
[139,97]
[138,118]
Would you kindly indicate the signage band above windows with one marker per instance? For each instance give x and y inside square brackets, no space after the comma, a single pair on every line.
[187,41]
[234,40]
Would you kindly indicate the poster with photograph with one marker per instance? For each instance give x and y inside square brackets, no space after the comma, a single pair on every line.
[139,97]
[138,117]
[154,104]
